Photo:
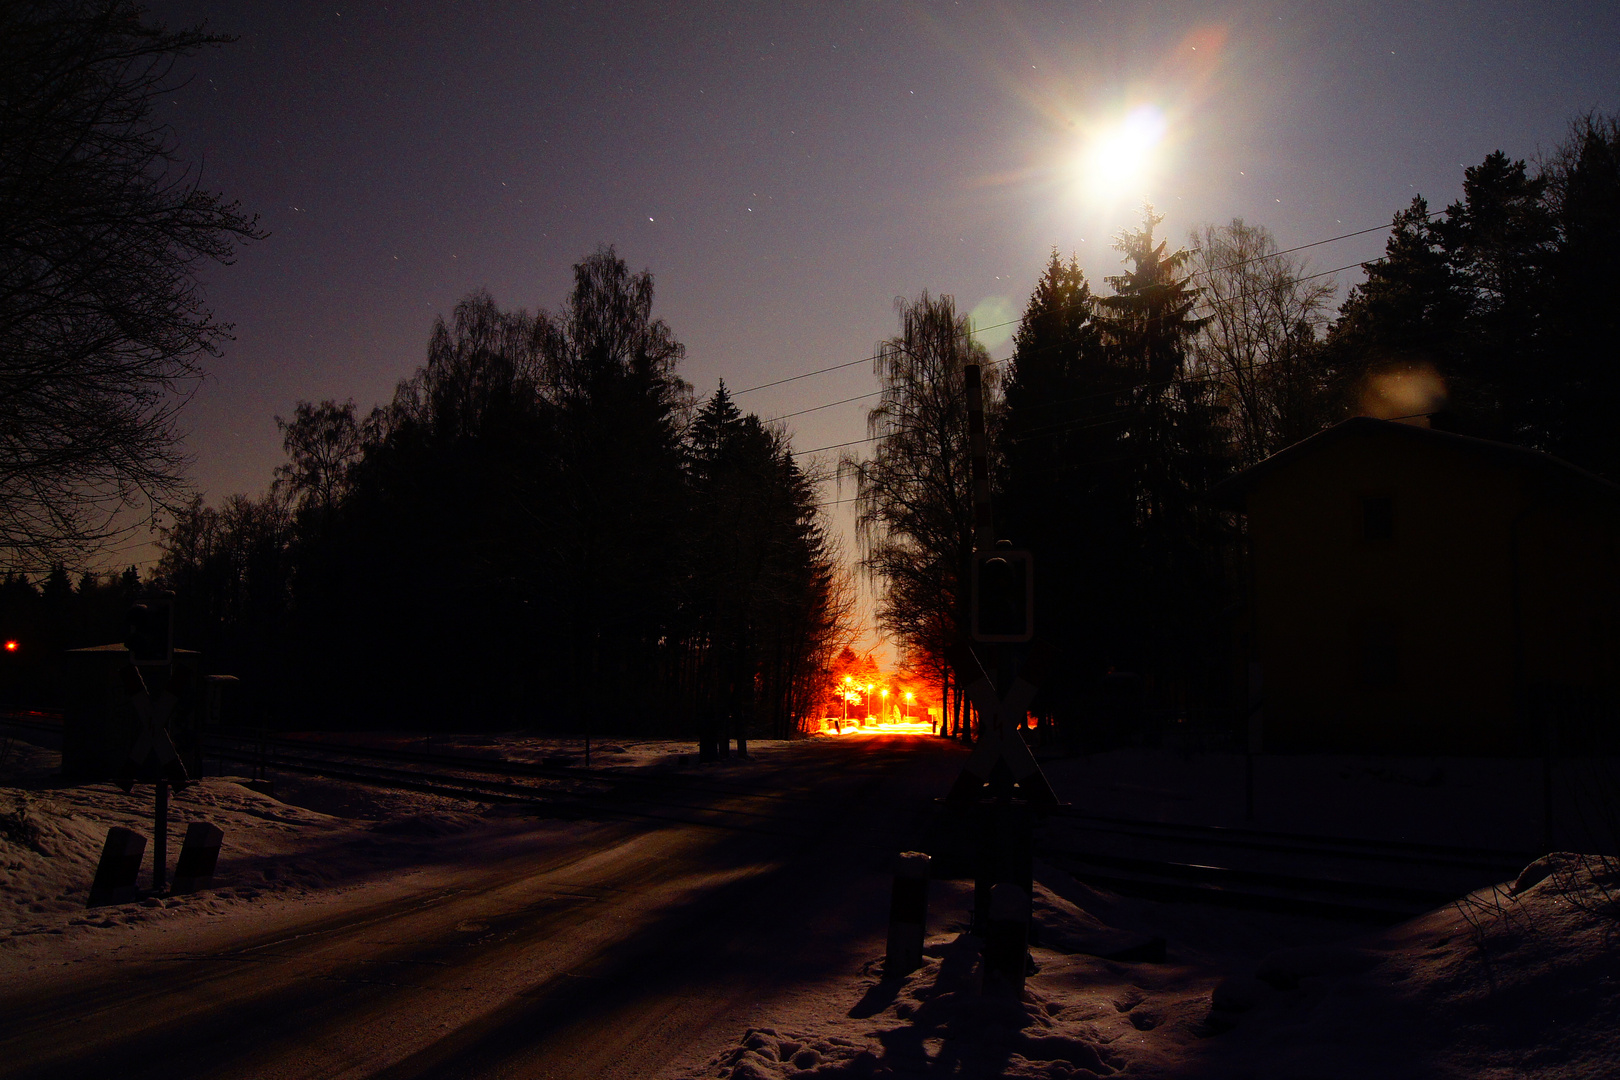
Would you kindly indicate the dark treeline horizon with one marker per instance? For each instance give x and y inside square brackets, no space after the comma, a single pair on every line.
[542,529]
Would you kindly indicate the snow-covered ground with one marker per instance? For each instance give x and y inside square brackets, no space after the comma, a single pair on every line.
[1519,980]
[275,853]
[317,841]
[1515,981]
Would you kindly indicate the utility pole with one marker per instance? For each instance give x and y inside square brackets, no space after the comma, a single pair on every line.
[1001,786]
[160,837]
[984,533]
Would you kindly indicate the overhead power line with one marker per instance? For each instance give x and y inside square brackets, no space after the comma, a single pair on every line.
[805,375]
[1008,359]
[1014,322]
[1302,247]
[852,363]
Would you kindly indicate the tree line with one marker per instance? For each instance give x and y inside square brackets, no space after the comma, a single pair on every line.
[541,528]
[544,525]
[1118,411]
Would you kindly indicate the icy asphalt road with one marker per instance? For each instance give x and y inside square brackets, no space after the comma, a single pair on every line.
[614,949]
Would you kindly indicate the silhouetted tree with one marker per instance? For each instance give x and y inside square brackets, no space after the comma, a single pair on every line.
[531,531]
[1582,280]
[439,577]
[1411,304]
[1067,482]
[1111,439]
[230,570]
[1149,324]
[1460,295]
[322,442]
[1264,314]
[914,502]
[763,589]
[100,313]
[609,370]
[1503,297]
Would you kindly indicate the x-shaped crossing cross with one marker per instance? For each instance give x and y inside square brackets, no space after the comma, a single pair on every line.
[1000,746]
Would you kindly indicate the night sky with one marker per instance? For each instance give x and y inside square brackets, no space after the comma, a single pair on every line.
[786,170]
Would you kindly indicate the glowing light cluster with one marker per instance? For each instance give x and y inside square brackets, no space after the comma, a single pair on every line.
[873,707]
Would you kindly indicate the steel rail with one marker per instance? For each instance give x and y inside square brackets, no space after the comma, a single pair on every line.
[1341,847]
[493,766]
[542,799]
[1167,879]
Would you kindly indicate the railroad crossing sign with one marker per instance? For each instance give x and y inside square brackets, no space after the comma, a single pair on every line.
[150,631]
[153,714]
[153,757]
[1000,761]
[1003,595]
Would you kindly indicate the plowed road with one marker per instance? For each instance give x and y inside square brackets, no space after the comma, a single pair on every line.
[632,947]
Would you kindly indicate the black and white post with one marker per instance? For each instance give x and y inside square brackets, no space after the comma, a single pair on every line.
[1006,942]
[908,914]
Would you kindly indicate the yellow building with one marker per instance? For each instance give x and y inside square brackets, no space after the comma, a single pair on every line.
[1416,590]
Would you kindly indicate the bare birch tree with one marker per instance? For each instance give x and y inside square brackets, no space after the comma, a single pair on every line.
[102,229]
[914,499]
[1265,314]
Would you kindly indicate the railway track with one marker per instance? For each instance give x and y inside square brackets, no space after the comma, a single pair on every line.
[277,748]
[1336,877]
[547,791]
[1344,878]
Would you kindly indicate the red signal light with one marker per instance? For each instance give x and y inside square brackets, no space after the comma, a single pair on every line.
[12,645]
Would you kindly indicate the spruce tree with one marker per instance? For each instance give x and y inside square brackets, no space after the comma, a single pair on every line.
[1176,448]
[1065,490]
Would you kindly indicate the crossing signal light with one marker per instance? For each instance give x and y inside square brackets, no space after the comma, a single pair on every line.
[1003,595]
[12,645]
[150,635]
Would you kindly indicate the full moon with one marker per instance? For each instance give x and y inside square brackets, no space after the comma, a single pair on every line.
[1119,156]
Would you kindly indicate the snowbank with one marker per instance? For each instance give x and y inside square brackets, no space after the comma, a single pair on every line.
[1517,980]
[275,852]
[317,841]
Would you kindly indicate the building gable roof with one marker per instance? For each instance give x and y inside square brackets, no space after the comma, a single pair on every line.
[1233,489]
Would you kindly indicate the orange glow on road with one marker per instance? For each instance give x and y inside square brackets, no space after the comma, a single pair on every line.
[897,727]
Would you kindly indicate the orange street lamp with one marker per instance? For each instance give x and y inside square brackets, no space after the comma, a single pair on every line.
[908,706]
[884,704]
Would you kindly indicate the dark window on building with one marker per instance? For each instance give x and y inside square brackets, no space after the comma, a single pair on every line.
[1377,519]
[1380,653]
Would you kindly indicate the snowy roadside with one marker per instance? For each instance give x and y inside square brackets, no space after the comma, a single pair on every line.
[1517,980]
[637,755]
[275,853]
[1511,981]
[319,841]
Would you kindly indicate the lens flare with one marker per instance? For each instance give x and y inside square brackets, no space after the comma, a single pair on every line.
[1407,392]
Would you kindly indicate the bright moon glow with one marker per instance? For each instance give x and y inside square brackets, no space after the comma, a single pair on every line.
[1120,156]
